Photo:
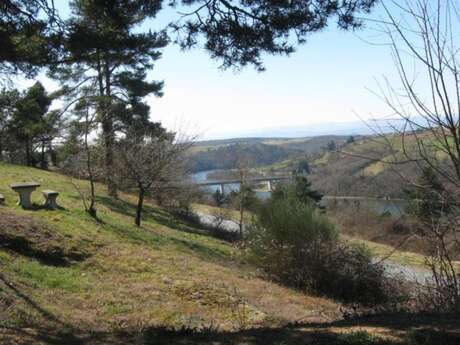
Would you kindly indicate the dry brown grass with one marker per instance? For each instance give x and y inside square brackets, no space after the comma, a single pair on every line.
[165,274]
[164,283]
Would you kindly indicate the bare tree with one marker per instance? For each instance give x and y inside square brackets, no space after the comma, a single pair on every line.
[245,197]
[89,122]
[84,164]
[425,45]
[151,160]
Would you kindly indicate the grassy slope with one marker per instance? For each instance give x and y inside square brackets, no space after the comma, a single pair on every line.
[164,274]
[119,284]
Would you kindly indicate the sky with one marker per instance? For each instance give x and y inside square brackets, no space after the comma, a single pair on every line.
[327,80]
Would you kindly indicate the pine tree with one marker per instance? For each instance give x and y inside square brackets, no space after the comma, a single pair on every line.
[29,36]
[107,62]
[239,33]
[430,200]
[8,101]
[32,123]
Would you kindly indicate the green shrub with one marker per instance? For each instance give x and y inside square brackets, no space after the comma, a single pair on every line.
[298,246]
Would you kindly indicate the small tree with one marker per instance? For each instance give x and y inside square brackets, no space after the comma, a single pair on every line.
[87,123]
[300,190]
[331,145]
[429,198]
[245,197]
[149,158]
[350,139]
[303,167]
[242,200]
[218,198]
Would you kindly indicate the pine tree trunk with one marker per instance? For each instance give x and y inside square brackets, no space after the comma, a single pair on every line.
[28,158]
[92,205]
[107,124]
[109,136]
[109,142]
[43,158]
[140,203]
[51,153]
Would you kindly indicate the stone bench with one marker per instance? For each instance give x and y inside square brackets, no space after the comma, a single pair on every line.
[2,199]
[50,199]
[24,189]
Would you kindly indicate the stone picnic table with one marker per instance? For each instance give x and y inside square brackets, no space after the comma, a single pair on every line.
[24,189]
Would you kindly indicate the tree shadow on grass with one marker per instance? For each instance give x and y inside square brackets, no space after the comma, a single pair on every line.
[434,329]
[401,322]
[53,256]
[315,334]
[42,207]
[146,236]
[23,235]
[159,215]
[15,289]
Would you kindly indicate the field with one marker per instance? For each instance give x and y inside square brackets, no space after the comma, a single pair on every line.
[66,278]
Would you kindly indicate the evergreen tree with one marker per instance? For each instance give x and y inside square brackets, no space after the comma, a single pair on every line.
[8,101]
[331,145]
[32,123]
[29,34]
[302,167]
[107,60]
[218,198]
[238,33]
[300,190]
[304,191]
[430,200]
[350,139]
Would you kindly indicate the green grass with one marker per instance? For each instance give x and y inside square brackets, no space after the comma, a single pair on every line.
[164,283]
[48,277]
[138,274]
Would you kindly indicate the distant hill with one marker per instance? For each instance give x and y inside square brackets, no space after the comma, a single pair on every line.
[225,154]
[354,169]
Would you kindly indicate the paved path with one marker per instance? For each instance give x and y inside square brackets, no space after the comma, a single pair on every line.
[210,221]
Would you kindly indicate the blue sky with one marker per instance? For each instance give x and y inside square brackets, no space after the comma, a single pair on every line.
[326,80]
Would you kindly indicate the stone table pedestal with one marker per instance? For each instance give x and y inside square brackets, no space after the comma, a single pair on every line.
[24,190]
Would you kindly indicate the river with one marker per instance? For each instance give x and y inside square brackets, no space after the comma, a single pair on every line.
[394,207]
[202,176]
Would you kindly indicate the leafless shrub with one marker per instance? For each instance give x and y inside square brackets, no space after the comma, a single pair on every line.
[426,103]
[151,161]
[240,309]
